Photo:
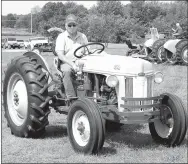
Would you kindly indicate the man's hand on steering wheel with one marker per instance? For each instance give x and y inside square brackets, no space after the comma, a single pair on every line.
[87,49]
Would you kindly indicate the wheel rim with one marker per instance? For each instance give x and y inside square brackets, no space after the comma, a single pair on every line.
[171,57]
[81,128]
[159,53]
[164,126]
[185,56]
[17,99]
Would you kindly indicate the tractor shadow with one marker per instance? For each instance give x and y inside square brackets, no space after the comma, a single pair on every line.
[55,131]
[134,137]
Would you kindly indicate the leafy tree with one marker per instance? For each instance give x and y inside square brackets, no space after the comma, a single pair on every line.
[23,22]
[108,8]
[10,20]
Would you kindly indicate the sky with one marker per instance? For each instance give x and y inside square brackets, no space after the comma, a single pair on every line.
[24,7]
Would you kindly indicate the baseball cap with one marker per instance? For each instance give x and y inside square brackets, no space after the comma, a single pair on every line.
[71,18]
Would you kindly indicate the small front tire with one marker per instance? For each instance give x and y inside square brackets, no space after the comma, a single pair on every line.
[170,128]
[85,127]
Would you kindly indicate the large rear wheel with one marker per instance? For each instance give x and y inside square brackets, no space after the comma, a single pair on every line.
[170,128]
[182,52]
[25,96]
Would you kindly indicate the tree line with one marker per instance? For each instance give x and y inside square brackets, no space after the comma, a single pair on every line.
[107,21]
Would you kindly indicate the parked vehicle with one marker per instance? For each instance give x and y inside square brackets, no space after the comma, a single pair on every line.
[11,43]
[26,43]
[21,43]
[39,42]
[120,91]
[2,43]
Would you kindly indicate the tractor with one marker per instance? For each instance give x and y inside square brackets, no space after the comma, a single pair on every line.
[110,88]
[175,49]
[151,50]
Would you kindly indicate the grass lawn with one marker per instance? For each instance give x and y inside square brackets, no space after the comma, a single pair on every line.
[132,144]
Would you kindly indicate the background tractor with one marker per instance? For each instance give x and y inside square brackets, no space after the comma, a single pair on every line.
[151,50]
[175,49]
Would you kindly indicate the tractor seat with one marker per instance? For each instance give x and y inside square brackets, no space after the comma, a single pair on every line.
[129,44]
[57,64]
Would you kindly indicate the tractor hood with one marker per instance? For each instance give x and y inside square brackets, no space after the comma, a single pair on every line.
[104,63]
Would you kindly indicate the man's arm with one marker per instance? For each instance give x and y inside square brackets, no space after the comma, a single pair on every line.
[63,58]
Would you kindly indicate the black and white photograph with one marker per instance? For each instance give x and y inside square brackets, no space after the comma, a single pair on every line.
[94,81]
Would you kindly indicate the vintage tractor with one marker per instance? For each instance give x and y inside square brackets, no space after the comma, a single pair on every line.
[151,50]
[110,88]
[175,50]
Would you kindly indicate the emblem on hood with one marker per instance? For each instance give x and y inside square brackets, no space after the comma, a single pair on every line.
[117,67]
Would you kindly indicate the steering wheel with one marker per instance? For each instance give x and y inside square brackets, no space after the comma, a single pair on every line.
[89,52]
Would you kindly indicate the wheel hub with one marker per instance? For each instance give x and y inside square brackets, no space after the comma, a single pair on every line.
[81,128]
[165,124]
[16,98]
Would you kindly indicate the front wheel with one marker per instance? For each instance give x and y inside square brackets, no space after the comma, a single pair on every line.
[170,128]
[85,126]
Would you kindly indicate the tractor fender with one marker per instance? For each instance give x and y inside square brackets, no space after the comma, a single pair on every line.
[40,59]
[170,45]
[149,43]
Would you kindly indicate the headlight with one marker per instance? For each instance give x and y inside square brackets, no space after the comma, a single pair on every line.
[112,81]
[158,77]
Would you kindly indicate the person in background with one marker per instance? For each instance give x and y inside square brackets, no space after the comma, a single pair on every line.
[178,31]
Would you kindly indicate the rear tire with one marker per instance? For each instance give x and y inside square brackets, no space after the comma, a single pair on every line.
[171,131]
[25,96]
[85,126]
[182,50]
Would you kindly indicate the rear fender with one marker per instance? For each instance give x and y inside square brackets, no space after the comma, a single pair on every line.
[170,45]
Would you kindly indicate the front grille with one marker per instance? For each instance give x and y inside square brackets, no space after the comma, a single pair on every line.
[149,90]
[129,87]
[129,92]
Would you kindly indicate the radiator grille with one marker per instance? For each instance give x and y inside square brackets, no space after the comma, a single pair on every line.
[129,92]
[129,87]
[149,90]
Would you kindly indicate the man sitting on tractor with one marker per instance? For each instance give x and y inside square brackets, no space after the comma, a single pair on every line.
[178,30]
[66,43]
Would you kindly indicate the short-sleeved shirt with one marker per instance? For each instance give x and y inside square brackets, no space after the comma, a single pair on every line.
[65,43]
[179,30]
